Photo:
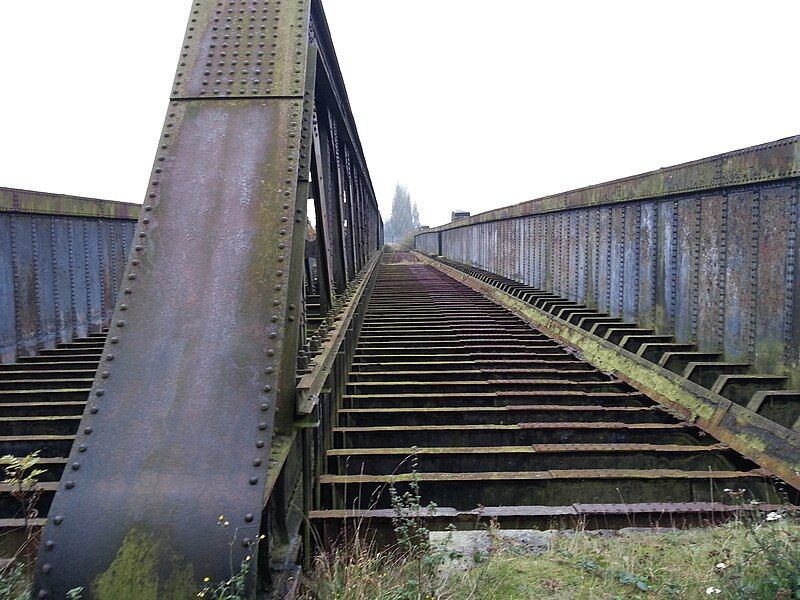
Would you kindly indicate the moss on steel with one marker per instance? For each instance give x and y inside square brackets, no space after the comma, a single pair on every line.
[774,447]
[146,568]
[766,162]
[26,201]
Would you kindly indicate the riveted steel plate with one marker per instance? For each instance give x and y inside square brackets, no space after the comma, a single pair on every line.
[773,278]
[244,48]
[766,162]
[711,289]
[178,424]
[25,201]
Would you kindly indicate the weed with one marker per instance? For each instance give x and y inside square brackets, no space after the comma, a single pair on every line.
[769,564]
[230,589]
[15,582]
[409,569]
[22,474]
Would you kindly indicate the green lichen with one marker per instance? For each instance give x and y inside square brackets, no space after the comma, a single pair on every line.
[146,568]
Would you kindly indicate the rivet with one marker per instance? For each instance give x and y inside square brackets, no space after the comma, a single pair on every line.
[87,430]
[246,541]
[120,323]
[46,568]
[43,593]
[270,352]
[248,518]
[75,466]
[291,317]
[260,444]
[148,207]
[292,307]
[123,307]
[275,302]
[128,291]
[58,519]
[94,410]
[135,262]
[264,407]
[138,248]
[269,370]
[69,484]
[132,276]
[253,481]
[114,340]
[110,357]
[145,221]
[49,545]
[142,234]
[262,426]
[82,448]
[267,388]
[274,318]
[273,335]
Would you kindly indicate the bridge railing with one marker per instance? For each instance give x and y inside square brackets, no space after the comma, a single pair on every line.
[61,262]
[705,251]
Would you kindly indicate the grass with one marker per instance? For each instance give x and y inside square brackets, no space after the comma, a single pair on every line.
[753,560]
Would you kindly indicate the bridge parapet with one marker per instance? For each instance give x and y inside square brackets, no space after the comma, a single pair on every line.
[703,251]
[62,261]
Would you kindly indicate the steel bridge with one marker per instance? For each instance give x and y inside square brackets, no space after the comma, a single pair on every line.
[214,375]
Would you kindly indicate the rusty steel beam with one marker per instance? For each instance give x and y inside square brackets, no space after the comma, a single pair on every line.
[310,386]
[188,451]
[61,262]
[45,203]
[763,163]
[704,251]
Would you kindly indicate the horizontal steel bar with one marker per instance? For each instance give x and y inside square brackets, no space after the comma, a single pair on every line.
[310,385]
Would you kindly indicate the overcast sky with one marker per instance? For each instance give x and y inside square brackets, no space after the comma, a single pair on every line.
[471,105]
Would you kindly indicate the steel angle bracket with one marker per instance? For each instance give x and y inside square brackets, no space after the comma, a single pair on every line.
[165,483]
[312,384]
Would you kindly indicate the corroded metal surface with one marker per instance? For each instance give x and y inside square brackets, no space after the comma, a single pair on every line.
[704,251]
[61,259]
[243,48]
[192,411]
[772,445]
[26,201]
[490,417]
[770,162]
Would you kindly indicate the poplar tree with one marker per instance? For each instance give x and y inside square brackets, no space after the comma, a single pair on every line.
[404,218]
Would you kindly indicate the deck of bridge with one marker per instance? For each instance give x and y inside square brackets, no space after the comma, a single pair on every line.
[615,355]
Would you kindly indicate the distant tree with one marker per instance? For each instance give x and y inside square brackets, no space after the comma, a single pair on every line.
[404,218]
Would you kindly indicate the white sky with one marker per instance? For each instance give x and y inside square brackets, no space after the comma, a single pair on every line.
[471,105]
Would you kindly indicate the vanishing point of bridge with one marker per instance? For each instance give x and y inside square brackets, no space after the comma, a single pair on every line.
[241,344]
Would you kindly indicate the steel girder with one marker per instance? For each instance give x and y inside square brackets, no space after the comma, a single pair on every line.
[190,431]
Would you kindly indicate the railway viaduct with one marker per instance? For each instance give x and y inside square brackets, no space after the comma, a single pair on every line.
[212,375]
